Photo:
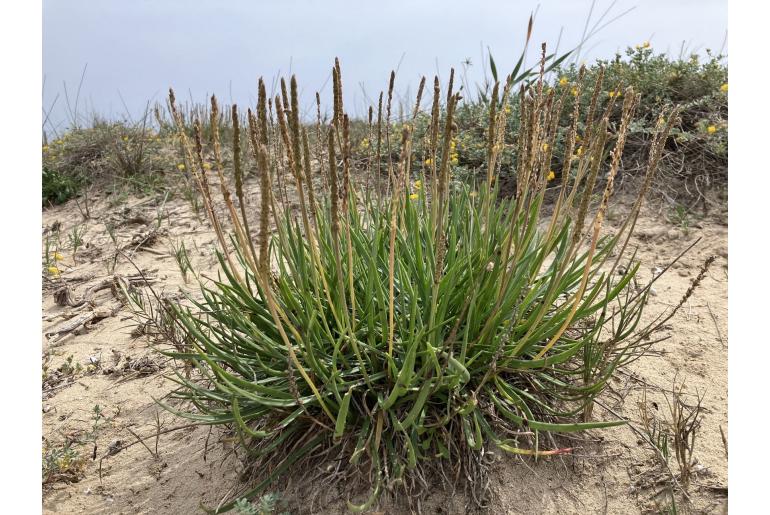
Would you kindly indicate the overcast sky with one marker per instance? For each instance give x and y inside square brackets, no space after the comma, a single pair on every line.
[136,49]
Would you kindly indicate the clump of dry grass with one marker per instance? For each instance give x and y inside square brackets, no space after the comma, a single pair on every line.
[674,433]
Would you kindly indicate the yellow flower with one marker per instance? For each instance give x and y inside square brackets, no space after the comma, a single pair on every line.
[711,129]
[45,148]
[57,256]
[453,158]
[125,138]
[364,144]
[53,271]
[428,162]
[417,184]
[551,175]
[646,44]
[545,147]
[414,196]
[507,109]
[579,151]
[180,167]
[206,166]
[574,92]
[577,137]
[723,88]
[563,81]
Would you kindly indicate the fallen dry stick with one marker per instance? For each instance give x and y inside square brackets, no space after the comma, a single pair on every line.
[65,297]
[71,325]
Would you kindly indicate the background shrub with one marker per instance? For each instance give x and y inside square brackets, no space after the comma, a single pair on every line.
[58,188]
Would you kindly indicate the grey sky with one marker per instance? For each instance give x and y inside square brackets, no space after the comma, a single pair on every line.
[141,47]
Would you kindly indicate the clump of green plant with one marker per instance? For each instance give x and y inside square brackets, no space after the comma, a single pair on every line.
[58,188]
[65,372]
[51,254]
[62,464]
[406,333]
[65,462]
[680,217]
[265,505]
[75,237]
[73,159]
[112,261]
[182,259]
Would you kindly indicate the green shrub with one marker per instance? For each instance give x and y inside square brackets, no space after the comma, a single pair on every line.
[697,85]
[412,331]
[117,153]
[58,188]
[695,157]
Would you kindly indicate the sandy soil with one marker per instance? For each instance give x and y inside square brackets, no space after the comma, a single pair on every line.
[611,471]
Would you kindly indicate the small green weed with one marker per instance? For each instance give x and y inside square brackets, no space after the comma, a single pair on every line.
[66,462]
[182,258]
[76,237]
[62,463]
[66,371]
[680,217]
[265,505]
